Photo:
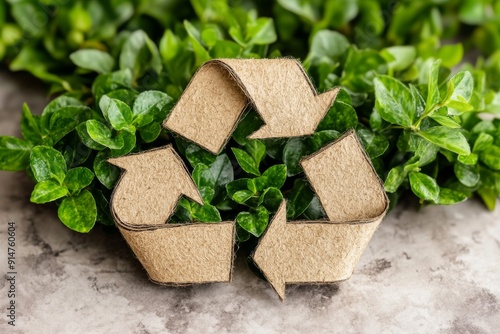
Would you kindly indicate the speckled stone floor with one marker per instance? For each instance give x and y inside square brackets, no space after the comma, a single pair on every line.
[433,271]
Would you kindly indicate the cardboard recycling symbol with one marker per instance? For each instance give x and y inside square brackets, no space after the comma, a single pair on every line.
[341,174]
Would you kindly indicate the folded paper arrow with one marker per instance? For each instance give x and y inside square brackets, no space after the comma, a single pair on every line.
[279,89]
[296,252]
[326,251]
[142,202]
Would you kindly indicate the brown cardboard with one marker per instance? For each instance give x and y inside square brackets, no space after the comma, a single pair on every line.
[279,89]
[142,202]
[326,251]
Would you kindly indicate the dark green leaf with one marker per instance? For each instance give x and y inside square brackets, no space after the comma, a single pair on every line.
[29,126]
[150,132]
[196,155]
[295,149]
[298,199]
[66,119]
[271,199]
[273,177]
[374,144]
[150,105]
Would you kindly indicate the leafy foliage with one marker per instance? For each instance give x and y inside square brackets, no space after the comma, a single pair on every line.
[116,79]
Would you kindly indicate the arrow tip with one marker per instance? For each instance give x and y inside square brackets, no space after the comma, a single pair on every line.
[327,98]
[268,255]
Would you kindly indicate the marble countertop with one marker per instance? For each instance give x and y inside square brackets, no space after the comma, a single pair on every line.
[436,270]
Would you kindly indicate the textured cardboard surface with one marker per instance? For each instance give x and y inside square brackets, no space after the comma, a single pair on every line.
[326,251]
[142,202]
[279,89]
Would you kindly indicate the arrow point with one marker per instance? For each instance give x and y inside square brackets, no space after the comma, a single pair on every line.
[268,255]
[121,162]
[326,99]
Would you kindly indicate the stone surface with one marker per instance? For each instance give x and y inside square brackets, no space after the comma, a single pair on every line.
[431,271]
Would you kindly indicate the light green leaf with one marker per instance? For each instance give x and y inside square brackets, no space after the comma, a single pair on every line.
[450,139]
[47,191]
[424,186]
[79,213]
[94,60]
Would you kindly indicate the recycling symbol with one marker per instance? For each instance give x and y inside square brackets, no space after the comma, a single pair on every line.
[296,252]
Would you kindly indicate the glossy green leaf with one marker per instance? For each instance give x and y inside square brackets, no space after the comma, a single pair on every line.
[394,101]
[150,105]
[47,164]
[79,213]
[468,175]
[102,135]
[254,222]
[106,173]
[78,178]
[424,186]
[450,139]
[47,191]
[246,162]
[491,157]
[298,199]
[117,113]
[30,128]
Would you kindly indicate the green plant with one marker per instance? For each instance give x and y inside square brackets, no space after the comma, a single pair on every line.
[418,109]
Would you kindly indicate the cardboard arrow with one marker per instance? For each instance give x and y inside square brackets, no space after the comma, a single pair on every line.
[143,201]
[279,89]
[326,251]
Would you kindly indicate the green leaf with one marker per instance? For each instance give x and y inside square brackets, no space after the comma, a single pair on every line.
[445,121]
[94,60]
[399,57]
[66,119]
[241,196]
[196,155]
[271,199]
[340,117]
[47,164]
[129,140]
[150,132]
[254,222]
[326,47]
[315,210]
[117,113]
[273,177]
[470,159]
[424,186]
[433,97]
[47,191]
[450,55]
[29,126]
[394,101]
[79,213]
[105,172]
[84,136]
[463,86]
[489,197]
[482,142]
[468,175]
[235,186]
[298,199]
[450,139]
[256,149]
[394,179]
[250,123]
[204,213]
[374,144]
[106,83]
[139,54]
[246,162]
[14,153]
[261,32]
[102,135]
[491,157]
[54,106]
[295,149]
[78,178]
[150,105]
[449,196]
[360,69]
